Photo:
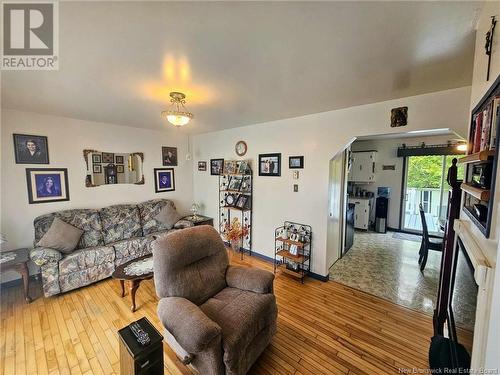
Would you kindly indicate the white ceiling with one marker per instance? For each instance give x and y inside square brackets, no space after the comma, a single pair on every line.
[242,63]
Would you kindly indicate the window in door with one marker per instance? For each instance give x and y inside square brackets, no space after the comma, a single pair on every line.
[425,184]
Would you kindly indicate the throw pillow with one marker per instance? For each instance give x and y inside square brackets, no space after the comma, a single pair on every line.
[61,236]
[168,216]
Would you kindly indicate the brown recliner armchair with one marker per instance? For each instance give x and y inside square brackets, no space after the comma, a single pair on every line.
[217,317]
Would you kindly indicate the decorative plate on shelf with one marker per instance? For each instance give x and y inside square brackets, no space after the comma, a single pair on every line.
[230,200]
[241,148]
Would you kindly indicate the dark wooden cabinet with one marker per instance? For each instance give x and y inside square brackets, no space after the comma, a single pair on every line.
[136,359]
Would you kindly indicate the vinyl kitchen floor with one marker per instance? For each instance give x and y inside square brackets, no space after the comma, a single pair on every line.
[387,267]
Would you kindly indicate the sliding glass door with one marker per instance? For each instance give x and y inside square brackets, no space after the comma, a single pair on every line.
[425,184]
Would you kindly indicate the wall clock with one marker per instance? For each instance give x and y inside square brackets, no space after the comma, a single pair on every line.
[241,148]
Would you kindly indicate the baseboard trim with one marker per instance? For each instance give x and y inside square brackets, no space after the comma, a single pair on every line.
[310,274]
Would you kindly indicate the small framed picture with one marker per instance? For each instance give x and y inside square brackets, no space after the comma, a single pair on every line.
[164,179]
[169,156]
[120,169]
[119,159]
[229,167]
[216,166]
[242,201]
[97,168]
[96,159]
[270,165]
[246,187]
[235,183]
[202,166]
[242,167]
[296,162]
[108,157]
[399,117]
[31,149]
[47,185]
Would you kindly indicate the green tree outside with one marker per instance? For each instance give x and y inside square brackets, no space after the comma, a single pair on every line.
[425,171]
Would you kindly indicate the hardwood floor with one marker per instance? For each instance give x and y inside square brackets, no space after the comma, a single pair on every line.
[323,328]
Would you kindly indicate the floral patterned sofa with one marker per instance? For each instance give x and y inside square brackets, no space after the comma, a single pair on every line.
[111,236]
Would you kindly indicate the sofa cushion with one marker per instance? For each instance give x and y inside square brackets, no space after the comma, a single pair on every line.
[86,258]
[87,220]
[43,255]
[231,309]
[61,236]
[120,222]
[86,276]
[168,216]
[149,211]
[132,248]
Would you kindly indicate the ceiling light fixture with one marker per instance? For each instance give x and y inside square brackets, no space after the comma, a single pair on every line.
[177,115]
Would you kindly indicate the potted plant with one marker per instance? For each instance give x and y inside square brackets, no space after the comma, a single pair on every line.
[234,232]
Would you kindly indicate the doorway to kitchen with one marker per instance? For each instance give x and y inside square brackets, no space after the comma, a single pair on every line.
[385,179]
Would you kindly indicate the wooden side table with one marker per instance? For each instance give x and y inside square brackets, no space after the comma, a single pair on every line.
[133,279]
[17,260]
[199,220]
[137,359]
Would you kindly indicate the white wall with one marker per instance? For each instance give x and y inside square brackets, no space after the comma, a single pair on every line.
[67,138]
[479,87]
[318,137]
[387,150]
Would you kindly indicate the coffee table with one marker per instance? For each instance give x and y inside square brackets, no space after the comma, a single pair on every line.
[134,272]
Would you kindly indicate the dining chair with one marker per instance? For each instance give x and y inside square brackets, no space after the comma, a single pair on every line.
[429,242]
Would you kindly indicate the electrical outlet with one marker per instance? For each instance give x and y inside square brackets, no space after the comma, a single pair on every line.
[295,175]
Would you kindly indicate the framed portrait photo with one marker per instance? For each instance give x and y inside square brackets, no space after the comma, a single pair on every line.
[108,157]
[202,166]
[119,159]
[235,183]
[296,162]
[270,165]
[31,149]
[120,169]
[47,185]
[164,179]
[169,156]
[216,166]
[242,201]
[97,168]
[96,158]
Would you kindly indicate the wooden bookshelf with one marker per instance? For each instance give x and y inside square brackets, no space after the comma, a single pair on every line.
[484,155]
[481,167]
[296,258]
[476,192]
